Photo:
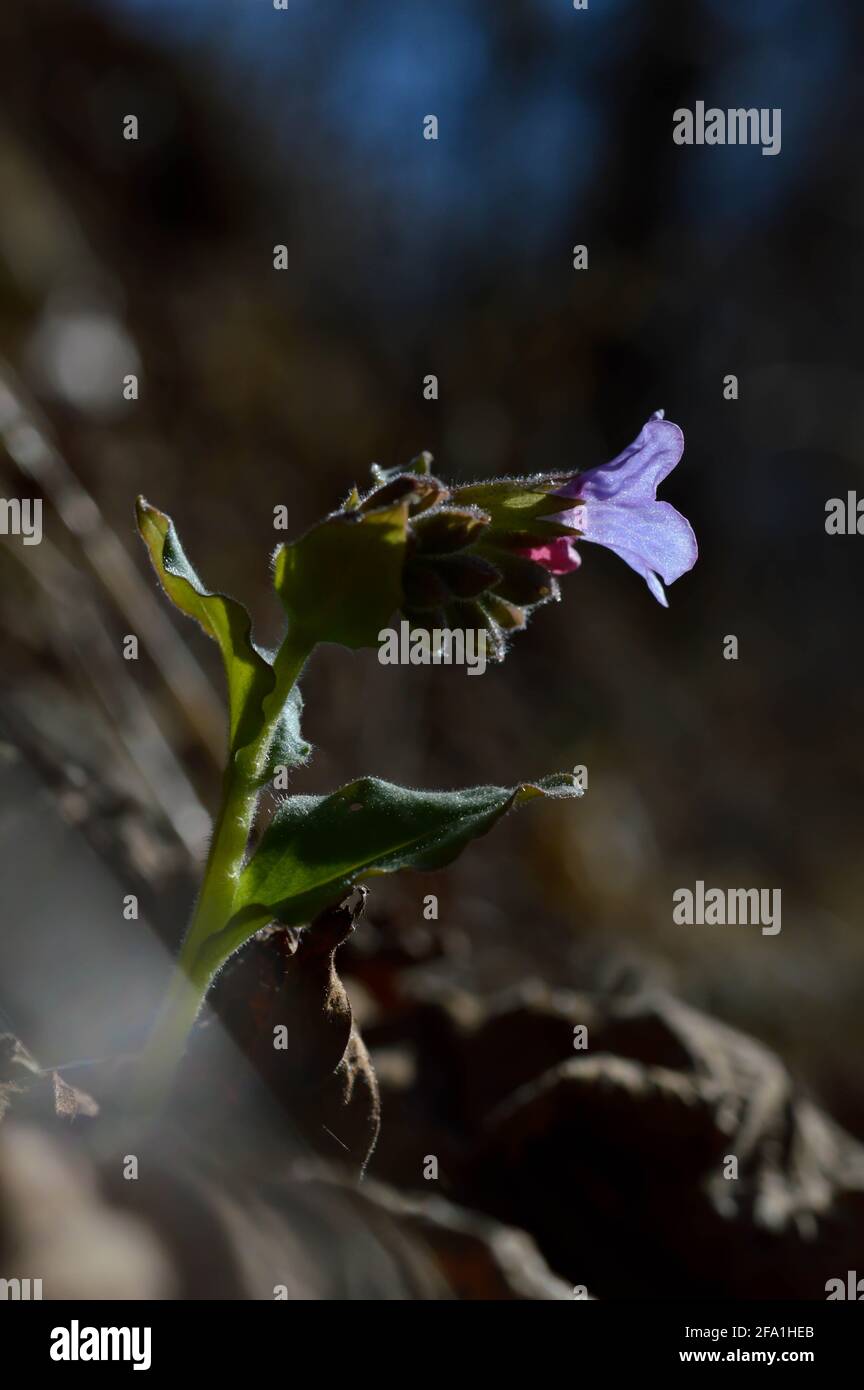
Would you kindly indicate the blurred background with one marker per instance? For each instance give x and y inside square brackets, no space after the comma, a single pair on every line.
[258,388]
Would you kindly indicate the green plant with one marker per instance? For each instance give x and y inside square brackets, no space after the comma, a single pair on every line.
[480,557]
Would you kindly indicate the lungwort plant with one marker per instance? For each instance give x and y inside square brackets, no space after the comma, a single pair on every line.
[480,557]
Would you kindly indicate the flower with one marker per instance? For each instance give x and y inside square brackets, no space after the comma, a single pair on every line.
[485,555]
[463,563]
[616,505]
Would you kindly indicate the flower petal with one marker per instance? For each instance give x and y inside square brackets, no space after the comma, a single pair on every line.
[638,564]
[560,556]
[617,507]
[636,473]
[658,534]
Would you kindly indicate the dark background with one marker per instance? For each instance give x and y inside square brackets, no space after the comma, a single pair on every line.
[259,388]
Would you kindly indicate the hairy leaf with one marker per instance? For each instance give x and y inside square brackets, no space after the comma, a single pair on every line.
[516,505]
[288,747]
[317,846]
[342,581]
[249,675]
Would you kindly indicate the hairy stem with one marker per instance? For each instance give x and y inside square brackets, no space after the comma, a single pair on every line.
[197,965]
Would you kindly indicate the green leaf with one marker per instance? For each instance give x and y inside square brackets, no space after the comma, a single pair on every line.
[249,675]
[288,747]
[316,847]
[342,581]
[516,505]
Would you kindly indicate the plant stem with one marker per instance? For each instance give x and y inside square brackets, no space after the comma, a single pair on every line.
[196,966]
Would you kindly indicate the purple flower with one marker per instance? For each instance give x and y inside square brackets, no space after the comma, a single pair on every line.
[615,505]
